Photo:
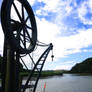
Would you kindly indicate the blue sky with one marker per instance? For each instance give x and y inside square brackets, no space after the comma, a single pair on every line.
[68,25]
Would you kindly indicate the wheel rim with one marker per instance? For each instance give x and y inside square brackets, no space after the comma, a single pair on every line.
[20,26]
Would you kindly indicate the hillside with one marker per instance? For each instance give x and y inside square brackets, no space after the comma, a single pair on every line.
[83,67]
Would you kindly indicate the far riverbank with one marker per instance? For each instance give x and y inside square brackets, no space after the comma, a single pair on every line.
[45,73]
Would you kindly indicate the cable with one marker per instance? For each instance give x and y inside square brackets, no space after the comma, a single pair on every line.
[52,56]
[41,44]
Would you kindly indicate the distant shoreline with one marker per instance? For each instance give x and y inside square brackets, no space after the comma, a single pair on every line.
[82,74]
[45,73]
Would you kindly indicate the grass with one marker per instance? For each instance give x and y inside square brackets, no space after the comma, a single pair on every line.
[44,73]
[51,73]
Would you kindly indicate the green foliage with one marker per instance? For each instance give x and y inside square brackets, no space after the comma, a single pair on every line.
[84,67]
[51,73]
[44,73]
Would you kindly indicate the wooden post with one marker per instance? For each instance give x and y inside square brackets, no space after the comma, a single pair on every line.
[3,65]
[10,71]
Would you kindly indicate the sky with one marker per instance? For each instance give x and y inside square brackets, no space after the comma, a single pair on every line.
[68,25]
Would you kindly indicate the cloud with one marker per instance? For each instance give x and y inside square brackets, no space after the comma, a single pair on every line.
[47,31]
[84,10]
[63,45]
[59,14]
[50,5]
[73,44]
[1,40]
[65,65]
[32,2]
[58,6]
[48,8]
[90,5]
[79,37]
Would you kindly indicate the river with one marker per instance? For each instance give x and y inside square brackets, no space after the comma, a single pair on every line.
[66,83]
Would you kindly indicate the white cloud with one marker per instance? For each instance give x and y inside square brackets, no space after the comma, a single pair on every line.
[63,46]
[65,65]
[90,5]
[68,9]
[73,44]
[1,40]
[62,67]
[86,50]
[56,6]
[47,31]
[83,10]
[50,5]
[70,44]
[32,2]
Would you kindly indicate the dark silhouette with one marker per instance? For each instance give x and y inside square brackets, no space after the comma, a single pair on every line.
[21,66]
[83,67]
[1,58]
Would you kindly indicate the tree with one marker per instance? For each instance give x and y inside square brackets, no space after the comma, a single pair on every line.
[83,67]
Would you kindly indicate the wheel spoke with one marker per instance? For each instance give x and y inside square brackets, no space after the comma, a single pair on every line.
[28,36]
[20,25]
[17,11]
[27,19]
[28,27]
[24,37]
[22,42]
[12,20]
[22,9]
[18,34]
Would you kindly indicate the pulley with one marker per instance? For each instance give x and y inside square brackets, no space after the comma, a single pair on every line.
[19,25]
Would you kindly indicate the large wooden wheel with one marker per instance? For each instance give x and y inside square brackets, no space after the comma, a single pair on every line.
[19,25]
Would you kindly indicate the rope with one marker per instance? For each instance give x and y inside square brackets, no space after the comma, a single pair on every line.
[41,44]
[52,56]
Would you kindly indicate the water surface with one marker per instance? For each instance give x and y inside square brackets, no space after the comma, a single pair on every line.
[66,83]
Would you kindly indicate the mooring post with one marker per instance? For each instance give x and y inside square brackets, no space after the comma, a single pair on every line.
[3,65]
[18,85]
[10,71]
